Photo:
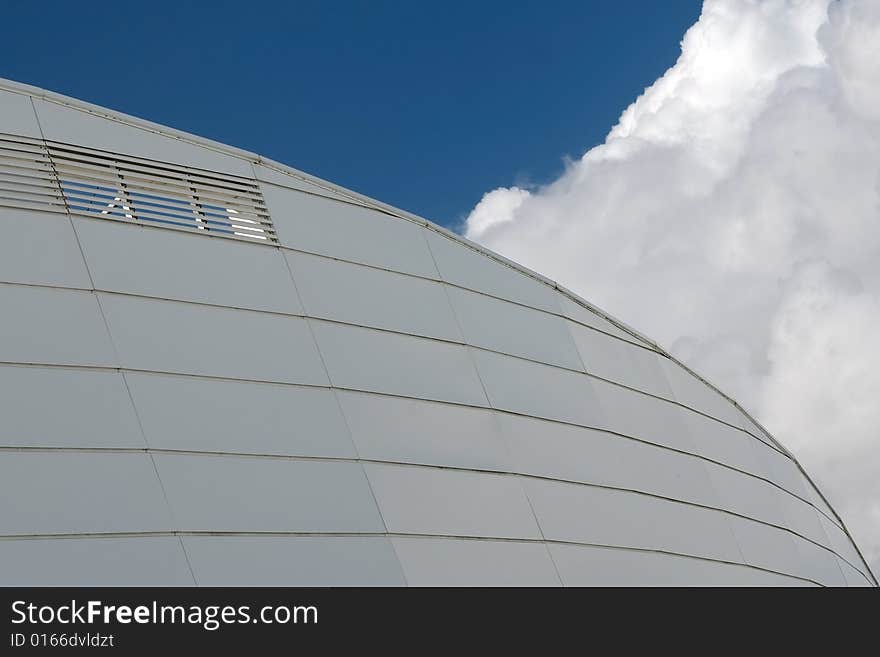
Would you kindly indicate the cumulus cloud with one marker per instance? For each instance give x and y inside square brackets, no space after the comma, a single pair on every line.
[733,214]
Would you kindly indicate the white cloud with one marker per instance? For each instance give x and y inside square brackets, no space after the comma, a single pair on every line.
[496,208]
[733,214]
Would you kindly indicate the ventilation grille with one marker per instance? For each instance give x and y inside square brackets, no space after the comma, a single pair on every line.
[49,175]
[26,176]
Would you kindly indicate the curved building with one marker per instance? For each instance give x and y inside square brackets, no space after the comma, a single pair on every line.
[218,370]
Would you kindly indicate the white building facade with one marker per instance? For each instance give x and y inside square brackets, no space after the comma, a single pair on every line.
[218,370]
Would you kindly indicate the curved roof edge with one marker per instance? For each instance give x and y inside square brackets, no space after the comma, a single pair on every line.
[361,199]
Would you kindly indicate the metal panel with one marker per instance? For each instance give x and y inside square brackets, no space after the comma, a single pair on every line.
[781,469]
[44,325]
[239,493]
[640,416]
[419,500]
[178,265]
[853,577]
[723,443]
[179,337]
[690,391]
[341,291]
[620,361]
[542,390]
[842,545]
[549,449]
[43,250]
[456,562]
[74,126]
[593,566]
[293,561]
[80,492]
[276,177]
[765,546]
[514,329]
[351,232]
[818,564]
[17,115]
[586,514]
[464,266]
[750,496]
[802,518]
[415,431]
[812,494]
[366,359]
[117,561]
[60,407]
[186,413]
[579,313]
[761,500]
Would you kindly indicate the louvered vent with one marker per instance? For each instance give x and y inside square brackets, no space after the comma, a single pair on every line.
[54,176]
[27,179]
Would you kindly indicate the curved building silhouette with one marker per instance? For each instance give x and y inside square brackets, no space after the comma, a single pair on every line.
[218,370]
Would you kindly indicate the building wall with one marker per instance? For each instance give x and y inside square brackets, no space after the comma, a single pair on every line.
[368,401]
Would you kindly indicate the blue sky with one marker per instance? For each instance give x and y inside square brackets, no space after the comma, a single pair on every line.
[423,105]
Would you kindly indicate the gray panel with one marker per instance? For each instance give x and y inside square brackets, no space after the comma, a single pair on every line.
[414,431]
[60,407]
[419,500]
[118,561]
[464,266]
[853,577]
[620,361]
[179,412]
[514,329]
[777,549]
[818,501]
[265,174]
[586,514]
[44,250]
[351,232]
[366,359]
[750,425]
[579,313]
[293,561]
[750,496]
[842,545]
[803,518]
[333,289]
[819,564]
[592,566]
[74,126]
[722,443]
[780,469]
[239,493]
[690,391]
[525,387]
[17,115]
[456,562]
[43,325]
[178,265]
[761,500]
[79,492]
[180,337]
[641,416]
[548,449]
[766,547]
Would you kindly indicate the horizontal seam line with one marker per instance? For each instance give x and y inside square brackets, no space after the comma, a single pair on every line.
[404,535]
[498,473]
[304,315]
[436,401]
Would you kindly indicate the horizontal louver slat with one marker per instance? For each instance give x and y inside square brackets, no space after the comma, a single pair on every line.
[36,174]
